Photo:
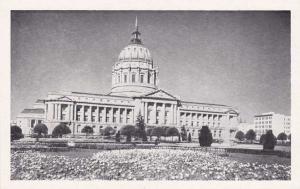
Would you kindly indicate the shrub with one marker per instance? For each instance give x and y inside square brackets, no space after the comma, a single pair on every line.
[250,135]
[262,139]
[15,133]
[270,141]
[240,135]
[87,130]
[205,136]
[164,128]
[172,131]
[40,129]
[282,136]
[189,138]
[128,131]
[109,131]
[158,132]
[60,130]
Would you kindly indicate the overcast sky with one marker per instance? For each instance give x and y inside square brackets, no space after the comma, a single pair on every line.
[235,58]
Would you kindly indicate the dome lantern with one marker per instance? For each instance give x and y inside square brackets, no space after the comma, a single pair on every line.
[136,39]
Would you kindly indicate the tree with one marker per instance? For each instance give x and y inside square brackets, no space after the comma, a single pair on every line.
[262,139]
[60,130]
[158,132]
[270,141]
[128,131]
[141,127]
[15,133]
[40,129]
[250,135]
[118,136]
[109,131]
[189,138]
[205,136]
[240,135]
[164,134]
[172,131]
[183,133]
[282,137]
[87,130]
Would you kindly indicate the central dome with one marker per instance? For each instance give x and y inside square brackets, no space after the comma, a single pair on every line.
[135,51]
[133,74]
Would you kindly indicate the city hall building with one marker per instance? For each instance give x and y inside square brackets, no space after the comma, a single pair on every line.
[134,91]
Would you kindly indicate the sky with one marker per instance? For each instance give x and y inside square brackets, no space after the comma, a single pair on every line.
[236,58]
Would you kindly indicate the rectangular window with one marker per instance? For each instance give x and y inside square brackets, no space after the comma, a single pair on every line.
[32,123]
[142,78]
[133,78]
[125,78]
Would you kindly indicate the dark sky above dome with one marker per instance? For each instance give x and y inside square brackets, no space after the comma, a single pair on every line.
[234,58]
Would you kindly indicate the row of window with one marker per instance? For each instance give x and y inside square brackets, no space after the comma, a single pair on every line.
[142,78]
[198,123]
[263,118]
[263,126]
[263,122]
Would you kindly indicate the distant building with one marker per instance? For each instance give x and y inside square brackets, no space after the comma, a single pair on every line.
[134,91]
[271,121]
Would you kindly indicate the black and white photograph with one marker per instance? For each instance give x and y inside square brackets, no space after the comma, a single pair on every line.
[150,95]
[115,94]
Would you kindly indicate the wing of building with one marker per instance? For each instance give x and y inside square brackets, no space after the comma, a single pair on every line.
[134,90]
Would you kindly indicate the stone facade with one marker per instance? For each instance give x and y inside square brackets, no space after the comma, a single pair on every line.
[134,91]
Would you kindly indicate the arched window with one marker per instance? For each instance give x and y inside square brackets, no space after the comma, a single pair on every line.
[142,78]
[119,78]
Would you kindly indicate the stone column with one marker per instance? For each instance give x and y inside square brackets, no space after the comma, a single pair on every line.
[82,113]
[69,112]
[125,115]
[90,113]
[154,115]
[132,115]
[56,111]
[59,112]
[176,121]
[104,114]
[97,115]
[111,113]
[163,113]
[146,112]
[118,115]
[74,112]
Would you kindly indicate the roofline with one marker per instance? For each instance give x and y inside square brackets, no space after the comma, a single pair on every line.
[65,93]
[202,103]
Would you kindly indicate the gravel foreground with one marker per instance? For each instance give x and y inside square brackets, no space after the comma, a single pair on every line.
[141,164]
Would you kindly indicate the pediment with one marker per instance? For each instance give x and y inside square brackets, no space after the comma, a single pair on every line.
[160,94]
[231,111]
[64,98]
